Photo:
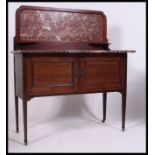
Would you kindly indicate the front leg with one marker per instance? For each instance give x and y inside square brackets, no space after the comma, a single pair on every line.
[104,106]
[25,120]
[123,109]
[16,111]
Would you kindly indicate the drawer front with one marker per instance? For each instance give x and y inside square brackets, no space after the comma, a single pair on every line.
[102,73]
[51,75]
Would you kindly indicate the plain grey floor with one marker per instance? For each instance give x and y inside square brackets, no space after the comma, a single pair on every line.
[74,125]
[80,135]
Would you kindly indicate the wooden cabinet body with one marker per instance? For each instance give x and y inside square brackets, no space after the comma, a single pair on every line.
[48,74]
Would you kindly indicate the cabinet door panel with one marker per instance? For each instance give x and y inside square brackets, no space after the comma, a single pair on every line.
[51,74]
[101,73]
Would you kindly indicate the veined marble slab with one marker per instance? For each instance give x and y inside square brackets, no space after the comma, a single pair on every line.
[40,25]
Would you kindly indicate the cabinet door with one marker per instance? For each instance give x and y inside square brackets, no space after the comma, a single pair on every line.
[99,73]
[51,75]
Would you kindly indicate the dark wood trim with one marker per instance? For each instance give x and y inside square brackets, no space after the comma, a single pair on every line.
[112,55]
[77,93]
[104,27]
[26,7]
[28,45]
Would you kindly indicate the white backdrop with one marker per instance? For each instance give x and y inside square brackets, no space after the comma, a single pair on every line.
[126,30]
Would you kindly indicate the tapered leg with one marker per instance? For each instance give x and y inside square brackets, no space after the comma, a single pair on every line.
[123,109]
[16,110]
[104,106]
[25,120]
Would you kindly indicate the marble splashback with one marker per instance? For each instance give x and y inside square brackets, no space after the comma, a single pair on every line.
[39,25]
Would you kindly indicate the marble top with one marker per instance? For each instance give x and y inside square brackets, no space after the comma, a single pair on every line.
[73,51]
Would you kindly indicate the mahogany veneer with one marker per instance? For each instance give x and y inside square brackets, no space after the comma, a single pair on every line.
[64,51]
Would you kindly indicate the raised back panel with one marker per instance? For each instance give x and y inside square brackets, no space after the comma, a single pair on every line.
[60,26]
[39,24]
